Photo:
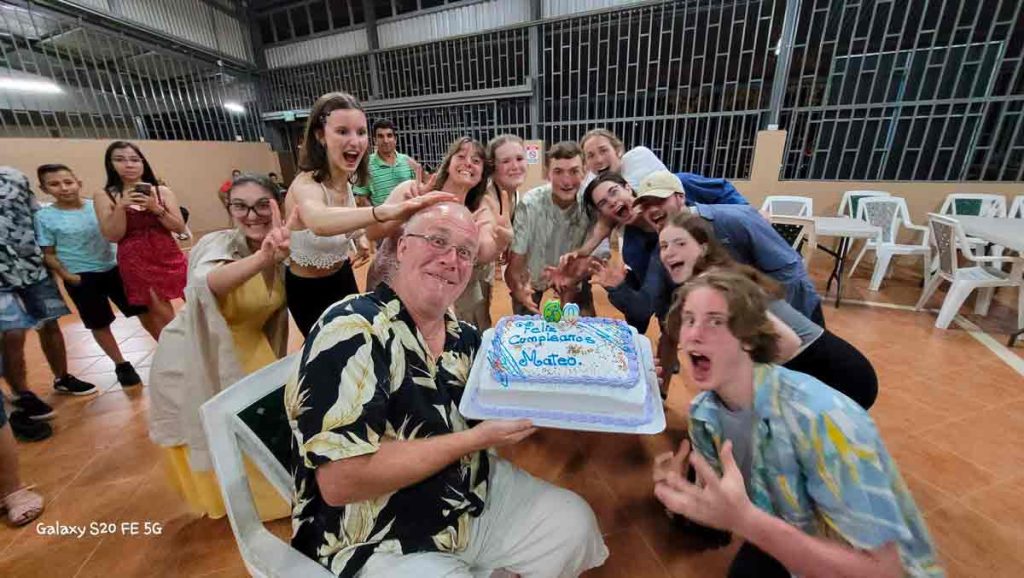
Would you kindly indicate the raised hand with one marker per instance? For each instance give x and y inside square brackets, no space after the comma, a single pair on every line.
[502,212]
[418,189]
[722,502]
[276,245]
[568,259]
[523,295]
[609,274]
[413,205]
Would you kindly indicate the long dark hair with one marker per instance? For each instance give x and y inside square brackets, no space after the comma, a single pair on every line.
[115,184]
[588,193]
[716,256]
[314,155]
[474,196]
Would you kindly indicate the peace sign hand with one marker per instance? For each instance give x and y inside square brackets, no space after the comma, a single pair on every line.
[276,245]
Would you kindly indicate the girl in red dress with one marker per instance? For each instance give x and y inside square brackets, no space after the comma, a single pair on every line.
[140,215]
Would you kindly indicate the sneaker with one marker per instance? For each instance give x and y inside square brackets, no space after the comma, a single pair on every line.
[71,385]
[126,375]
[32,407]
[27,429]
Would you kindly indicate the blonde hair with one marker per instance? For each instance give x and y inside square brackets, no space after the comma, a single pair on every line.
[616,143]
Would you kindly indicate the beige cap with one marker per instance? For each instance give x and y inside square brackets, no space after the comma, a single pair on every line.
[658,185]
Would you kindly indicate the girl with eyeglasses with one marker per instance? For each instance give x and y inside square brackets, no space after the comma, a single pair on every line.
[234,322]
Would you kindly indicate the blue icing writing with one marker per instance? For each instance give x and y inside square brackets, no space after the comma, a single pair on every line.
[530,357]
[516,339]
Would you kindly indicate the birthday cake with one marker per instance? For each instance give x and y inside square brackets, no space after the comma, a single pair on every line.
[576,369]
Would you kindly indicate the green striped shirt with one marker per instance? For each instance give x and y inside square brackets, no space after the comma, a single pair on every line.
[384,177]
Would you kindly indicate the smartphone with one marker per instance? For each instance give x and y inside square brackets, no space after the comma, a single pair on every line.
[144,188]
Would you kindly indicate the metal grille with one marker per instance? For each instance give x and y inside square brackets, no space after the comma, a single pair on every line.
[911,90]
[690,80]
[112,86]
[297,87]
[426,133]
[492,60]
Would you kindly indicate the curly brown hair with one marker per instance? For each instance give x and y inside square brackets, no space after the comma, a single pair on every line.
[748,311]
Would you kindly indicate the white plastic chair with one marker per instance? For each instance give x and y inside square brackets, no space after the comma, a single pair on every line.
[1017,208]
[799,231]
[948,239]
[229,437]
[851,199]
[888,214]
[788,205]
[974,204]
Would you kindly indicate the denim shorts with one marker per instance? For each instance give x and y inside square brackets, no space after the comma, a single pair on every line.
[28,306]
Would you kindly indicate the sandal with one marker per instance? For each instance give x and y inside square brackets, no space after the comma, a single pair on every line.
[22,506]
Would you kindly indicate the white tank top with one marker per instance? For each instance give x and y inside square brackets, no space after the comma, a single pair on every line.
[311,250]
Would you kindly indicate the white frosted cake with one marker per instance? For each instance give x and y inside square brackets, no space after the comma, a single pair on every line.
[587,371]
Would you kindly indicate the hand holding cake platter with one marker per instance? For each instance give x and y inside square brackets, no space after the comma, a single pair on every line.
[565,371]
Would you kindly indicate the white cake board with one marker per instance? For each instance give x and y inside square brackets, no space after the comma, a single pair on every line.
[472,410]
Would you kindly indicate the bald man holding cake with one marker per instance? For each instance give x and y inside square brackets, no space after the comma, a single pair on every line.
[390,480]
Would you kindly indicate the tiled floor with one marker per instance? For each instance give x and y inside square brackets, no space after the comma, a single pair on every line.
[952,413]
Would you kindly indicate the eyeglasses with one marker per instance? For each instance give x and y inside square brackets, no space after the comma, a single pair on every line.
[441,245]
[241,210]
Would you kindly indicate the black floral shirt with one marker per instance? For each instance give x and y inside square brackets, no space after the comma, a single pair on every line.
[21,259]
[365,376]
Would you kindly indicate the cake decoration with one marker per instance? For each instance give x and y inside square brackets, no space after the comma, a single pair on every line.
[570,313]
[583,370]
[552,311]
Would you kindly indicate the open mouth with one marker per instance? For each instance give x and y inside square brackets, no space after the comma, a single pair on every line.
[351,156]
[676,269]
[622,212]
[701,365]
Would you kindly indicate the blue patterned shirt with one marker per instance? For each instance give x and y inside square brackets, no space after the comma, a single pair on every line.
[21,259]
[819,464]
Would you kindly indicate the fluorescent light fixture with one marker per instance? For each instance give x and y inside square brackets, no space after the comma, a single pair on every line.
[27,85]
[234,107]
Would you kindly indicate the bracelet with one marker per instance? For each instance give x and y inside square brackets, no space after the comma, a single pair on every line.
[373,211]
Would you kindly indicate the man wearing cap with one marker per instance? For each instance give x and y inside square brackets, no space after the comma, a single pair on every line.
[749,238]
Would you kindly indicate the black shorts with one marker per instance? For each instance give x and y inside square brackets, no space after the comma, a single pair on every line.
[93,295]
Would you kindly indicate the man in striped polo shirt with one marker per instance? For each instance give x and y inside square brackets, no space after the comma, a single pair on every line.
[388,168]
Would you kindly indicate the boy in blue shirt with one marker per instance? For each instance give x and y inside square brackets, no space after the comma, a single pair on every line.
[792,467]
[86,262]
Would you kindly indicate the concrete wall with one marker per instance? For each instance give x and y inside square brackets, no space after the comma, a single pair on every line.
[922,196]
[193,169]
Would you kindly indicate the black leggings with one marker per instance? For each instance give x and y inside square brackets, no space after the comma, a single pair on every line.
[309,297]
[839,365]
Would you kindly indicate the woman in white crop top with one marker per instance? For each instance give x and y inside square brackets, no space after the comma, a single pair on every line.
[330,226]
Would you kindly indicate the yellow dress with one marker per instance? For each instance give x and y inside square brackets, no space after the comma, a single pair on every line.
[246,310]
